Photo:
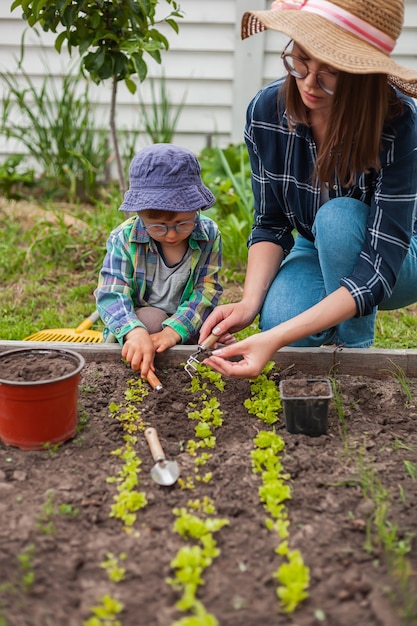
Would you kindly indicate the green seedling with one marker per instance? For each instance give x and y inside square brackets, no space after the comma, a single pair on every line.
[21,582]
[212,377]
[203,459]
[294,579]
[206,505]
[82,424]
[293,575]
[403,496]
[337,400]
[202,619]
[399,445]
[189,525]
[384,534]
[265,401]
[128,500]
[87,389]
[340,411]
[204,479]
[50,510]
[186,483]
[45,519]
[82,420]
[399,375]
[115,572]
[191,560]
[203,431]
[207,412]
[105,614]
[25,559]
[411,469]
[51,448]
[68,510]
[192,447]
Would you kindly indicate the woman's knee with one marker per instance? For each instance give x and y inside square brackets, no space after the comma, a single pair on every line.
[405,289]
[341,223]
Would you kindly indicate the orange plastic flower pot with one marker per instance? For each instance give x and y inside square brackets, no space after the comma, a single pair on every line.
[38,396]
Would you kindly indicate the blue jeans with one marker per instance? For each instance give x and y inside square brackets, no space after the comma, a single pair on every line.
[313,270]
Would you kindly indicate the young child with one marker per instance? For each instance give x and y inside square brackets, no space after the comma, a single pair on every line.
[159,279]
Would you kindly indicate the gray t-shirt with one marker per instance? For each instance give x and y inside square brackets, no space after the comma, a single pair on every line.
[169,282]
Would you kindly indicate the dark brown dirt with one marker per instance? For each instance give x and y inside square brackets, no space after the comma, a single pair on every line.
[305,388]
[56,529]
[36,365]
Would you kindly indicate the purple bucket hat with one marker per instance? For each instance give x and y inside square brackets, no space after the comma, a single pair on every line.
[167,178]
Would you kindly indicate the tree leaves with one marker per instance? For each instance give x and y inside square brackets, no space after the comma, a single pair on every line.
[111,38]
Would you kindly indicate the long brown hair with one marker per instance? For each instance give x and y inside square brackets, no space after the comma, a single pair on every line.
[361,105]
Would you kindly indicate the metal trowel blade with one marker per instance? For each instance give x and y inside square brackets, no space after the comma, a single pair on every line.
[165,472]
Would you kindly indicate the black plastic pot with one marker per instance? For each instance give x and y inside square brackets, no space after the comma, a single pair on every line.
[305,403]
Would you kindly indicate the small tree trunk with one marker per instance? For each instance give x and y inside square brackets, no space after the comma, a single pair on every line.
[119,164]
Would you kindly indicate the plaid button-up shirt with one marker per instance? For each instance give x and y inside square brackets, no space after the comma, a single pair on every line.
[125,280]
[285,197]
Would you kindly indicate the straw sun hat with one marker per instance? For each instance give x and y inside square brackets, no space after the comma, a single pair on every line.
[355,36]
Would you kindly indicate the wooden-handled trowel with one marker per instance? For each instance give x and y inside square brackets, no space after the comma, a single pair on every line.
[164,472]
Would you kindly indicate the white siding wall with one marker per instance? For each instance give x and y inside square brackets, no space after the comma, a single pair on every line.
[207,63]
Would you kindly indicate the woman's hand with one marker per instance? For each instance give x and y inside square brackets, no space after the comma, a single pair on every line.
[258,349]
[255,351]
[227,319]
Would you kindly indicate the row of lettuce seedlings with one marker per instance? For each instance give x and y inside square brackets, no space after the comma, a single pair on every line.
[197,522]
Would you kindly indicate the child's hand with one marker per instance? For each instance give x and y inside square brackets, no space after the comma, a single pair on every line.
[165,339]
[138,350]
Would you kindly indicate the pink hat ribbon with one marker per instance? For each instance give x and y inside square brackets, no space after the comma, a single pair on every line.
[342,18]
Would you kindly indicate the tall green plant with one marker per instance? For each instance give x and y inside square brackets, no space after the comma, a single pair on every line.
[55,126]
[161,118]
[227,173]
[111,37]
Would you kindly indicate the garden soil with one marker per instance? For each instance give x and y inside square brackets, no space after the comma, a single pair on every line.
[56,530]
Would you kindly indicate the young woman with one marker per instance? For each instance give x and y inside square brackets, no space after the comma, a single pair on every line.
[333,150]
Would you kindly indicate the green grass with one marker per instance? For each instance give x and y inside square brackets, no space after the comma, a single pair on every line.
[397,329]
[48,271]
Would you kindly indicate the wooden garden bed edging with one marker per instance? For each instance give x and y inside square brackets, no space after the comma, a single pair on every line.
[372,362]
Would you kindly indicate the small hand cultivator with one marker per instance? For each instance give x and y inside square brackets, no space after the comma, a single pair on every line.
[201,353]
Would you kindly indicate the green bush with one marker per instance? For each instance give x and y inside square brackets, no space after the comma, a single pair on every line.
[57,130]
[227,174]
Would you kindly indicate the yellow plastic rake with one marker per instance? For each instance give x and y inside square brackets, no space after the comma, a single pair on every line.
[81,334]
